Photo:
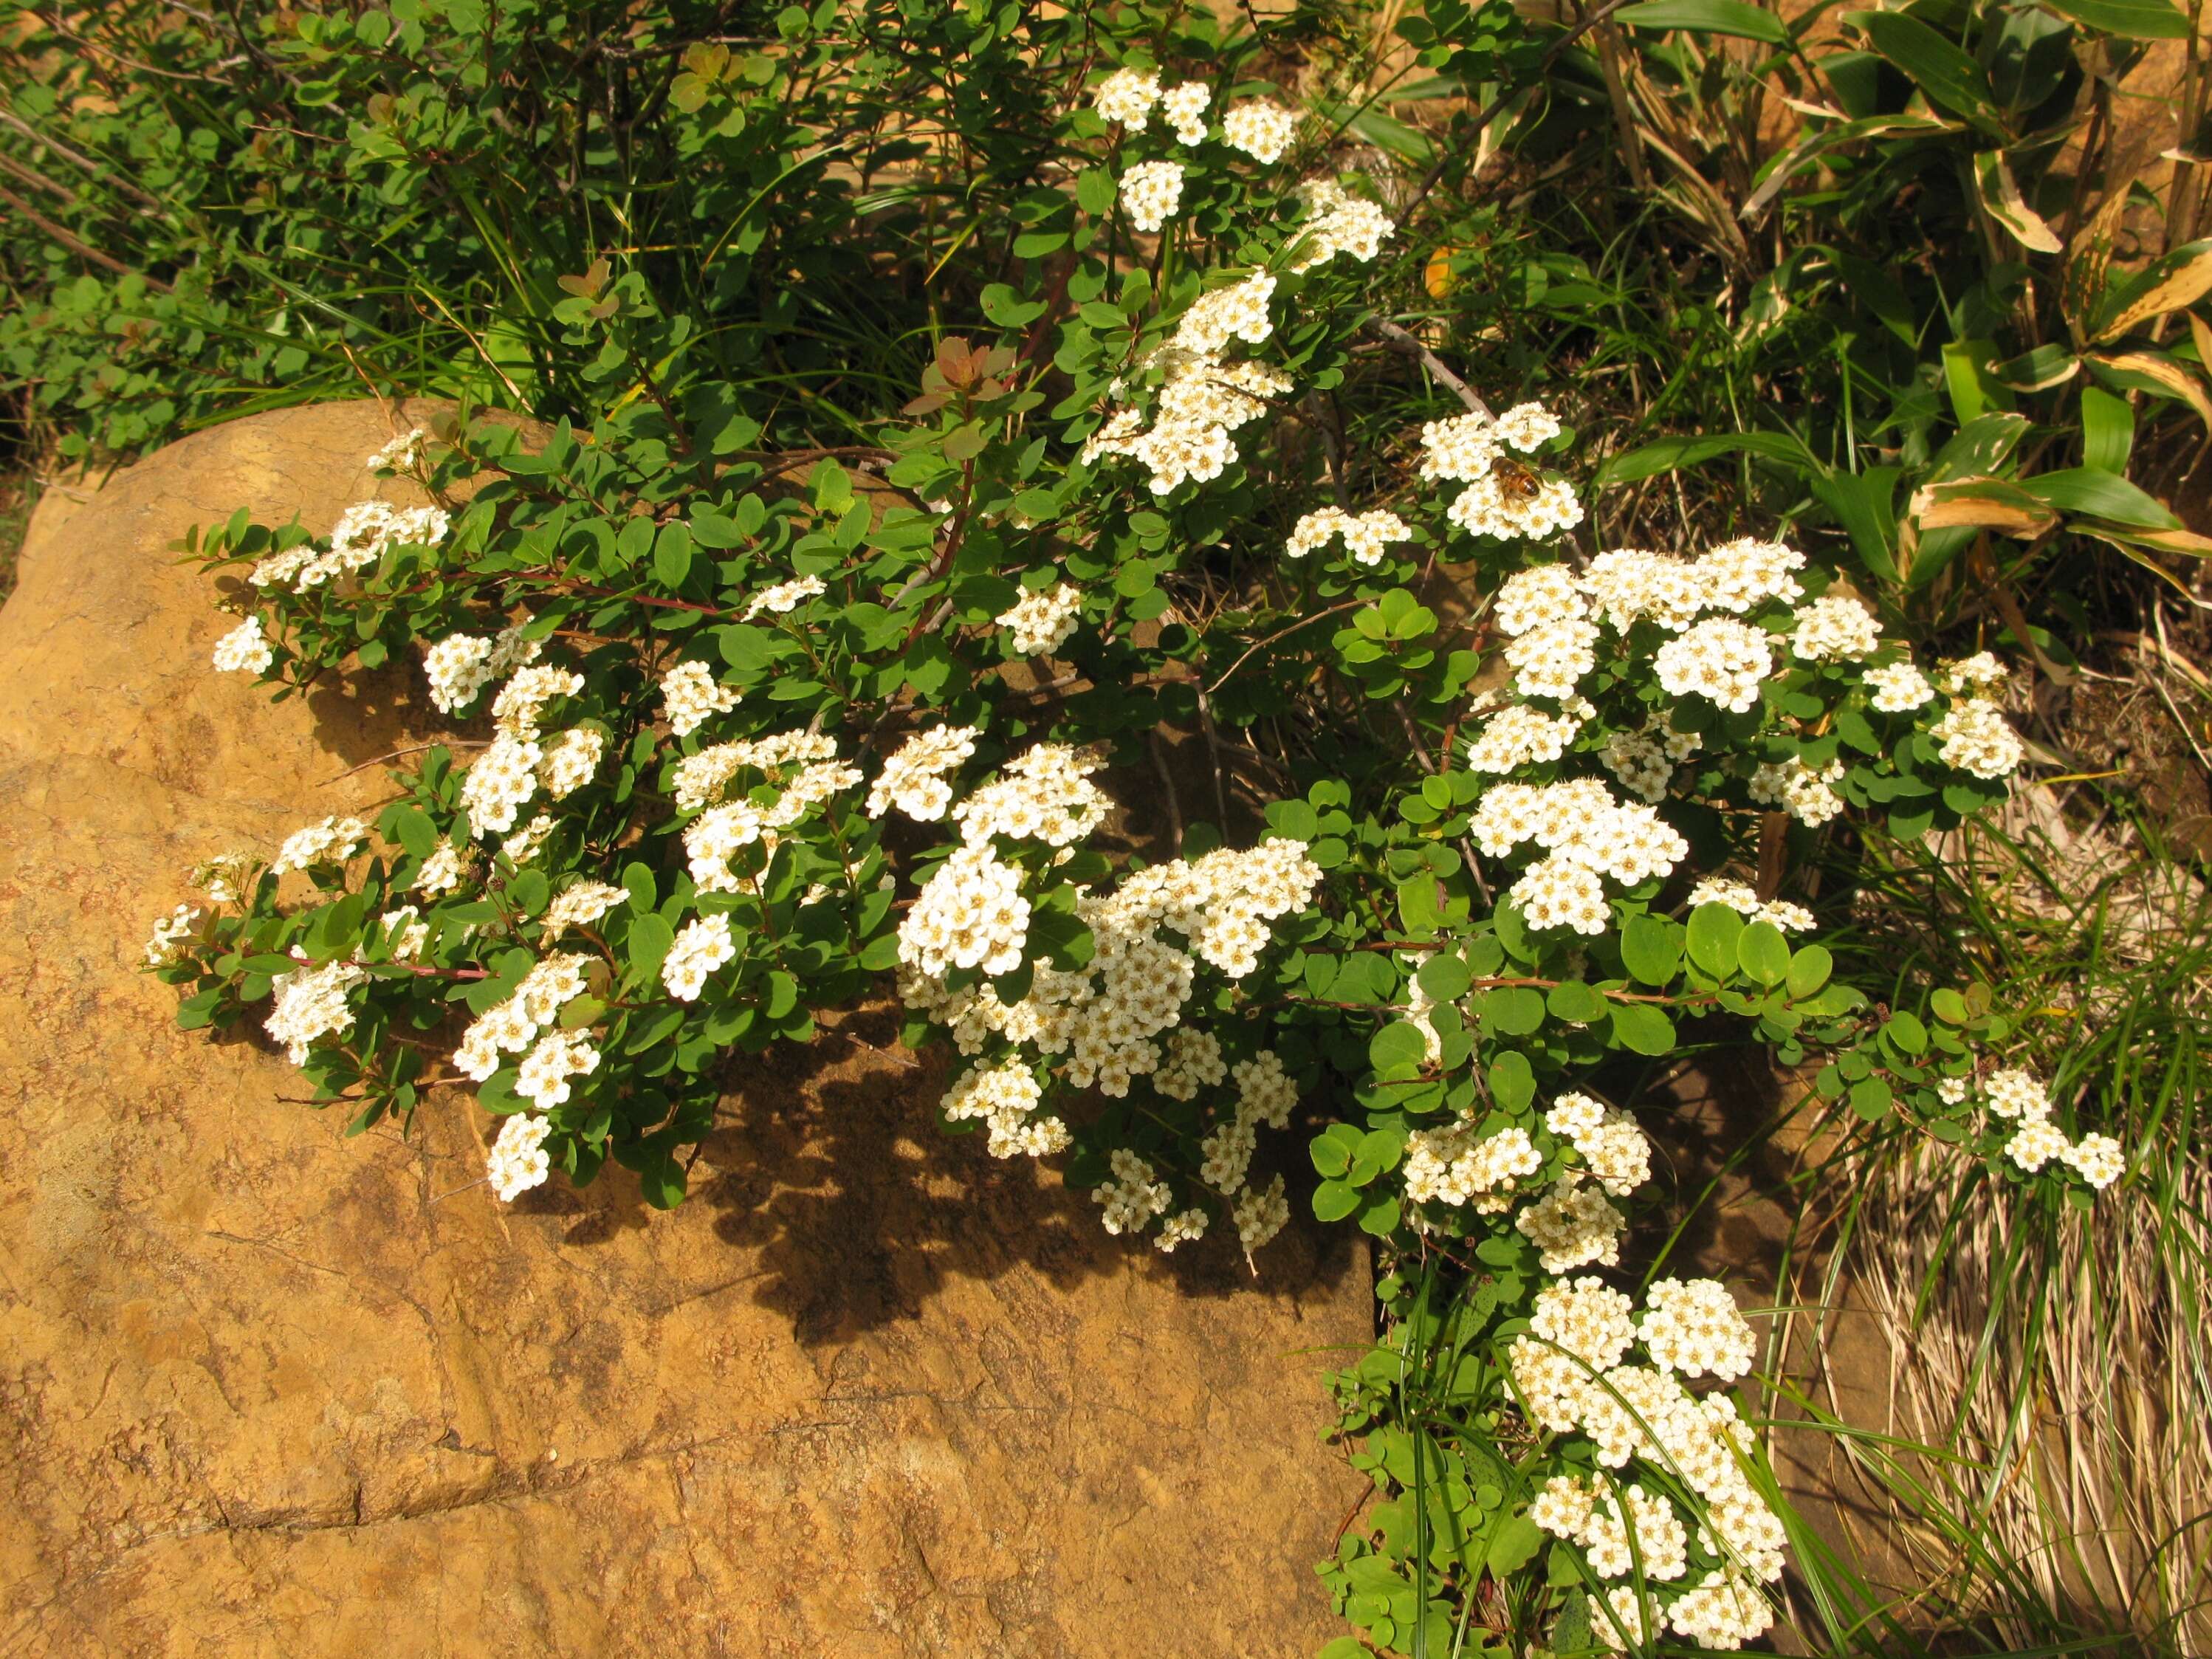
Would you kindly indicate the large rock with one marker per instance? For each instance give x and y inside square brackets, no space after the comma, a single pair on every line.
[266,1390]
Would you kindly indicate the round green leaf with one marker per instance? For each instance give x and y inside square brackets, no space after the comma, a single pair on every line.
[1713,932]
[1651,950]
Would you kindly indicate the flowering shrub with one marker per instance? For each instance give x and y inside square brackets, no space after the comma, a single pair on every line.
[732,747]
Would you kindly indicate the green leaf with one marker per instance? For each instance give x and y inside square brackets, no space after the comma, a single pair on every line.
[1512,1081]
[1445,977]
[1906,1031]
[1401,1043]
[1331,1157]
[1574,1003]
[650,938]
[1936,65]
[2133,20]
[1642,1029]
[672,555]
[1809,967]
[1670,454]
[1379,1215]
[1333,1200]
[2100,495]
[1713,933]
[412,829]
[1514,1010]
[1707,17]
[1651,950]
[1513,1546]
[1871,1099]
[1764,953]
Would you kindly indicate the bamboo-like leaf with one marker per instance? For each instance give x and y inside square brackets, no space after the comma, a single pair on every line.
[1778,173]
[2132,19]
[2085,491]
[2038,370]
[1707,17]
[2088,259]
[2170,377]
[2179,280]
[1980,503]
[1937,65]
[2001,200]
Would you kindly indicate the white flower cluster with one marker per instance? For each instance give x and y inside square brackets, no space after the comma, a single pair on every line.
[703,945]
[511,1026]
[1507,500]
[701,779]
[1265,1094]
[713,838]
[517,1161]
[2021,1095]
[166,944]
[1572,1226]
[1239,312]
[362,534]
[1003,1097]
[1742,898]
[1519,736]
[500,783]
[1807,795]
[1042,618]
[1103,1017]
[331,842]
[404,454]
[580,906]
[912,780]
[1616,1151]
[1367,535]
[1569,1373]
[1336,222]
[1645,762]
[445,871]
[1129,96]
[1260,127]
[559,1055]
[1134,1195]
[1151,191]
[1720,660]
[690,696]
[460,666]
[1974,737]
[1586,833]
[1458,1165]
[1201,401]
[520,708]
[785,596]
[1836,628]
[244,650]
[1899,688]
[1259,1213]
[1045,794]
[969,914]
[1978,676]
[310,1003]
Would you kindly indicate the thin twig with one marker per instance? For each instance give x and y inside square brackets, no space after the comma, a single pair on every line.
[1399,340]
[83,250]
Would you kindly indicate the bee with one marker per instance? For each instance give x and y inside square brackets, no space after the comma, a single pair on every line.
[1515,482]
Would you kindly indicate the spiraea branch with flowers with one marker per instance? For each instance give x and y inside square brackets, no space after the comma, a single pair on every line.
[1490,814]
